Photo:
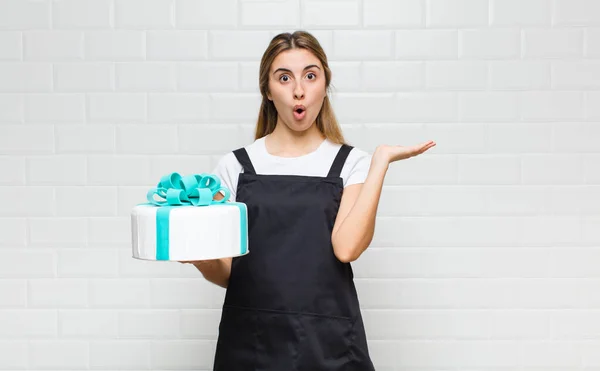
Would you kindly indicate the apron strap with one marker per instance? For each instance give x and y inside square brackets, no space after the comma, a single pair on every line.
[340,159]
[244,160]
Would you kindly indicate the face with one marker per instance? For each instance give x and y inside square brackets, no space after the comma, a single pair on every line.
[297,88]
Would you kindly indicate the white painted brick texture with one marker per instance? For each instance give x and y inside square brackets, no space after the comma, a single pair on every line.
[486,254]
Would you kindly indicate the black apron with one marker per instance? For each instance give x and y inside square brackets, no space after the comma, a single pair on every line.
[290,304]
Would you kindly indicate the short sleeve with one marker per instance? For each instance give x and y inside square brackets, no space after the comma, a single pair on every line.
[227,170]
[356,168]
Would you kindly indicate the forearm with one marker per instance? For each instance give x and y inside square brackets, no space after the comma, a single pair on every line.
[216,271]
[357,229]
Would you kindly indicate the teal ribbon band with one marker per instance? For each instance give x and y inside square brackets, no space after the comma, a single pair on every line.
[191,190]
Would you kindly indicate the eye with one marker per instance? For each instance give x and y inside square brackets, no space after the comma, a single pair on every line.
[315,76]
[282,76]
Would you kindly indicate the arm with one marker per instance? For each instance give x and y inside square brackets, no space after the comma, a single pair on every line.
[355,223]
[216,271]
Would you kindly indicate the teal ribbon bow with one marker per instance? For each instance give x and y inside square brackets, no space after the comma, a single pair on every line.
[191,190]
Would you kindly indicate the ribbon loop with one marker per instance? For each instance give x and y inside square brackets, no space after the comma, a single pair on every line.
[190,190]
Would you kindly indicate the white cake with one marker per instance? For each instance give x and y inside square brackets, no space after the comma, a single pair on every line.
[189,225]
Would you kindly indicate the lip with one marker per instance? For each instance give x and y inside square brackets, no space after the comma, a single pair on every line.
[299,106]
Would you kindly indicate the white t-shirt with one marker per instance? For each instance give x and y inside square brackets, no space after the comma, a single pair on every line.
[316,163]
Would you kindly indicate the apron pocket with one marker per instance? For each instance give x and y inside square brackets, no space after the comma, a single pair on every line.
[236,344]
[325,343]
[278,336]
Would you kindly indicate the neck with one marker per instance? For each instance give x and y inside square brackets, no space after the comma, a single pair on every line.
[289,143]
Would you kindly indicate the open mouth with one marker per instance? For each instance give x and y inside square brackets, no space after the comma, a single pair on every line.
[299,113]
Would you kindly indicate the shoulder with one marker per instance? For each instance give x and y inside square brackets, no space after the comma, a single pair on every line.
[356,167]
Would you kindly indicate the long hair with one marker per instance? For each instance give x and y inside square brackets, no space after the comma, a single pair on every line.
[267,117]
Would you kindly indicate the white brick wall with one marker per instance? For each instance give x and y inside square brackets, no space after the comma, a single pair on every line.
[487,248]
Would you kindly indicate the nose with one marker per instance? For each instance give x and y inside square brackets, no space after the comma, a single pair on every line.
[299,91]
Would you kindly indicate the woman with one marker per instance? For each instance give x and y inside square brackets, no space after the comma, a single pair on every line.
[291,303]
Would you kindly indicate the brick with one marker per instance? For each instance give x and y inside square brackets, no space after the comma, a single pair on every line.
[520,75]
[417,106]
[119,293]
[25,77]
[81,14]
[488,106]
[53,45]
[13,232]
[123,354]
[14,354]
[56,170]
[488,169]
[202,14]
[350,107]
[109,232]
[591,164]
[13,170]
[490,44]
[392,76]
[328,14]
[84,77]
[576,13]
[393,13]
[553,43]
[11,108]
[25,14]
[145,77]
[347,76]
[555,105]
[223,137]
[150,324]
[88,201]
[552,169]
[117,107]
[246,107]
[57,232]
[576,137]
[256,13]
[426,170]
[515,138]
[55,108]
[176,45]
[178,293]
[117,45]
[135,268]
[580,75]
[28,202]
[62,354]
[11,45]
[521,12]
[544,354]
[355,45]
[181,108]
[592,105]
[237,45]
[13,294]
[28,324]
[426,44]
[200,323]
[58,293]
[455,75]
[182,354]
[27,264]
[158,139]
[87,323]
[117,170]
[157,14]
[459,138]
[87,263]
[592,42]
[88,139]
[207,77]
[457,13]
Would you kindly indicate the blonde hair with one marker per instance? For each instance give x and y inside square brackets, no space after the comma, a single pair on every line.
[267,117]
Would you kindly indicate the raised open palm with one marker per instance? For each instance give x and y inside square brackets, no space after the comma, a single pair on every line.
[391,153]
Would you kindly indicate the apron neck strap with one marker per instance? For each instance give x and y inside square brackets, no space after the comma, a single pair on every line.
[340,159]
[242,157]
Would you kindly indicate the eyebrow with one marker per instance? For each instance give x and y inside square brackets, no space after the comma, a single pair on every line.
[305,68]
